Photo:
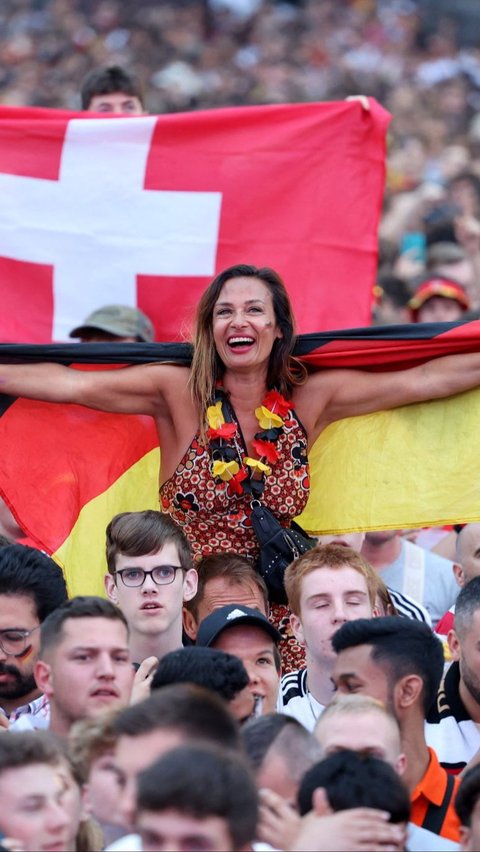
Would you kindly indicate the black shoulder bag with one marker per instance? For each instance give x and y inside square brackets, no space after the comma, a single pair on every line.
[279,546]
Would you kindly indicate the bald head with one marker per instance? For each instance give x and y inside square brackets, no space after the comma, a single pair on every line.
[360,723]
[467,553]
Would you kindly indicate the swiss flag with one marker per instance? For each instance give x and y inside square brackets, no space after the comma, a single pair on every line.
[146,211]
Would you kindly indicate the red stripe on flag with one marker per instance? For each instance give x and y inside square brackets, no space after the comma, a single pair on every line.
[394,353]
[62,456]
[32,149]
[26,298]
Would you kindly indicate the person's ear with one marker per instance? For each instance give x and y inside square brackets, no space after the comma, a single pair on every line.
[454,645]
[465,832]
[190,625]
[401,764]
[42,673]
[190,584]
[459,574]
[320,803]
[407,691]
[111,588]
[297,629]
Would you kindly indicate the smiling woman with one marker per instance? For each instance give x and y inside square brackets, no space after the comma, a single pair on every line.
[243,348]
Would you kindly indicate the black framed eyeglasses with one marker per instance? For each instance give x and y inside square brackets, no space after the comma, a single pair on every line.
[161,575]
[14,642]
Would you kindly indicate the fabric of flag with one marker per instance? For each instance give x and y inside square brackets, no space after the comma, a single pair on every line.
[144,211]
[66,470]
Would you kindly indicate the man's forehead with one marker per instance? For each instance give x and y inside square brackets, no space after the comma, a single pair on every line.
[223,587]
[244,634]
[167,554]
[327,580]
[33,778]
[17,604]
[88,631]
[354,659]
[369,723]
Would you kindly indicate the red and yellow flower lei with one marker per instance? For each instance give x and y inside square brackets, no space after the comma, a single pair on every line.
[244,474]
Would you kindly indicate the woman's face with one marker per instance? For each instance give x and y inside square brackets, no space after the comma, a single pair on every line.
[103,788]
[244,324]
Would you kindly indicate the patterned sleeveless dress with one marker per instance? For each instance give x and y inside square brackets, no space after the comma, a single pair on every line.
[213,520]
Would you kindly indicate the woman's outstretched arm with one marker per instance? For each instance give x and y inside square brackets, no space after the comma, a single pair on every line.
[334,394]
[142,389]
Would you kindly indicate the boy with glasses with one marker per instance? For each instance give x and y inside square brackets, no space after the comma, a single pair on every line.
[150,576]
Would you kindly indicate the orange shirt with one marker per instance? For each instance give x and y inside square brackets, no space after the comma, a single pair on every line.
[431,790]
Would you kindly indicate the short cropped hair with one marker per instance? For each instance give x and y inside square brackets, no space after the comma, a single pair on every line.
[143,533]
[195,712]
[466,605]
[468,794]
[83,606]
[24,748]
[282,735]
[326,556]
[208,667]
[203,781]
[109,81]
[353,780]
[236,569]
[29,572]
[401,646]
[355,705]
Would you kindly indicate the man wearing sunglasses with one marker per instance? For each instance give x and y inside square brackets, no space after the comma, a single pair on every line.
[150,576]
[31,587]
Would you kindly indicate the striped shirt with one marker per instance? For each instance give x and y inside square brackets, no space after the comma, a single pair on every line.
[449,728]
[297,699]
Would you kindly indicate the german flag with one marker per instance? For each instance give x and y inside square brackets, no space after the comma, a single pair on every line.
[66,470]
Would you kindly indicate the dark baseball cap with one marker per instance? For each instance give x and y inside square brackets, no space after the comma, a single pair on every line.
[121,320]
[231,616]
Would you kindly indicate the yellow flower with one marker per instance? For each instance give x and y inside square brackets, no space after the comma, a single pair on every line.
[267,419]
[225,470]
[258,465]
[215,415]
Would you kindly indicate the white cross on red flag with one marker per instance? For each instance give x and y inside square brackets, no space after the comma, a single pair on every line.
[145,211]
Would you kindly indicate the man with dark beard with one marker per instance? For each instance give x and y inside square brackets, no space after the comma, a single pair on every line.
[31,587]
[453,724]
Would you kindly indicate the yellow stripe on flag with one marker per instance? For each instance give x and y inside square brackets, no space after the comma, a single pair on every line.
[411,467]
[82,554]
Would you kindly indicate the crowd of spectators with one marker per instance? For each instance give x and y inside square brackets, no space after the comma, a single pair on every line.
[419,59]
[171,756]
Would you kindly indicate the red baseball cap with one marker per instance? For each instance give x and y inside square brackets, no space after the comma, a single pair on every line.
[438,286]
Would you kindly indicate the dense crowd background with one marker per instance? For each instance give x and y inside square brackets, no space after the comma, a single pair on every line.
[420,59]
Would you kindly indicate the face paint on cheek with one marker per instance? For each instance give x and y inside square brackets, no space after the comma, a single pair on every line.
[27,653]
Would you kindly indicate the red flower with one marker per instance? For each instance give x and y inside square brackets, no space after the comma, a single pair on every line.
[266,450]
[277,403]
[234,484]
[226,430]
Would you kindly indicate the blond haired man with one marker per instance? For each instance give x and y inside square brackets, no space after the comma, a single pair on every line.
[325,587]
